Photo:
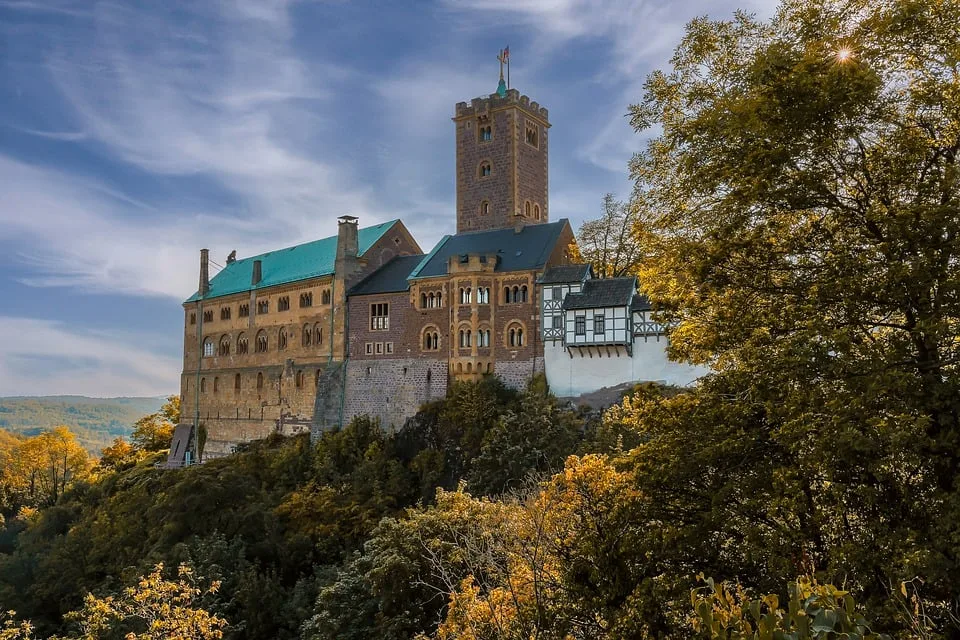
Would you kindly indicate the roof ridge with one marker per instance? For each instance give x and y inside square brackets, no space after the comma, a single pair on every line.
[301,244]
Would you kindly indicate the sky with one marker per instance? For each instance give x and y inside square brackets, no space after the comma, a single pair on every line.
[133,134]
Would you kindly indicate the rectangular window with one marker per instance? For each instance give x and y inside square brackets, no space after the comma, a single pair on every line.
[580,325]
[558,321]
[193,318]
[283,304]
[263,307]
[379,348]
[380,316]
[244,311]
[389,347]
[225,313]
[598,324]
[558,294]
[369,349]
[208,316]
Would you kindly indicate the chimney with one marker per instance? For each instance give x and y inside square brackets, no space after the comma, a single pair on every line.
[348,246]
[257,273]
[204,272]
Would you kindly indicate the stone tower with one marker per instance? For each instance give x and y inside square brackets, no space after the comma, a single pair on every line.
[501,162]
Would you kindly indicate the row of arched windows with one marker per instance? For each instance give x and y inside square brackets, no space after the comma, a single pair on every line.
[481,367]
[515,294]
[482,295]
[431,300]
[312,334]
[467,338]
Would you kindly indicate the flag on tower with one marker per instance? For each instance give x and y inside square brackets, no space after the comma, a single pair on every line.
[506,54]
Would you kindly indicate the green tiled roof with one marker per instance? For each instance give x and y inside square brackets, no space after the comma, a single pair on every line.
[300,262]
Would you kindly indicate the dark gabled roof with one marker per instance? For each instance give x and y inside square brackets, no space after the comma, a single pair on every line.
[524,251]
[606,292]
[390,278]
[566,273]
[300,262]
[640,303]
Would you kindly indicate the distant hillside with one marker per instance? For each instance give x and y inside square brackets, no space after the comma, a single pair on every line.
[96,421]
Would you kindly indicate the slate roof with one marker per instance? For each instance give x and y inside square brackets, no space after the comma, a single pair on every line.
[299,262]
[603,292]
[640,303]
[522,251]
[390,278]
[566,273]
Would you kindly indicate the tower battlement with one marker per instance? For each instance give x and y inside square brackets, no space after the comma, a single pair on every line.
[484,104]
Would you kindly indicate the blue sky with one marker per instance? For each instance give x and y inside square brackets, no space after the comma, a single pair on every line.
[134,133]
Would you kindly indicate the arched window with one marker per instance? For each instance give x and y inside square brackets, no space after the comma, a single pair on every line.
[236,382]
[326,296]
[261,342]
[536,211]
[483,295]
[298,379]
[423,300]
[307,338]
[526,208]
[242,346]
[514,335]
[483,338]
[216,384]
[523,293]
[469,367]
[465,295]
[203,385]
[516,294]
[224,345]
[283,303]
[282,339]
[439,299]
[306,300]
[485,207]
[485,169]
[207,347]
[506,294]
[318,334]
[259,381]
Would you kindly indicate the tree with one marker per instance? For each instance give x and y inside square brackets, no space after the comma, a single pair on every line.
[814,612]
[154,609]
[119,453]
[806,246]
[43,466]
[534,438]
[154,432]
[609,243]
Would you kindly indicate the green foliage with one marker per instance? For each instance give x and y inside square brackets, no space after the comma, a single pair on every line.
[154,432]
[814,612]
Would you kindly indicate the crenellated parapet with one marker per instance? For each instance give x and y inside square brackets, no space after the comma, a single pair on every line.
[513,98]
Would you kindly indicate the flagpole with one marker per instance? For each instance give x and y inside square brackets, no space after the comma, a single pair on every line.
[508,69]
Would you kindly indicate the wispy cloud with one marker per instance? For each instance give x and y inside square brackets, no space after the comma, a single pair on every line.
[58,359]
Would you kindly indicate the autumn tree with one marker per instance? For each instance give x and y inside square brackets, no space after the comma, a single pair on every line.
[805,244]
[610,243]
[118,453]
[40,468]
[154,432]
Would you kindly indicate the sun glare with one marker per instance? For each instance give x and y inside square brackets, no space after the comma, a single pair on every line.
[844,54]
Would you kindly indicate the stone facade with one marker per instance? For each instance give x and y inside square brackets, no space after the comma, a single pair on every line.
[267,349]
[501,149]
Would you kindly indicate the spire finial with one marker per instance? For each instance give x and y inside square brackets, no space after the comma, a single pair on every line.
[504,59]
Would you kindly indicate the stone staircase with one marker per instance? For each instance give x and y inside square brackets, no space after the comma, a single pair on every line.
[326,406]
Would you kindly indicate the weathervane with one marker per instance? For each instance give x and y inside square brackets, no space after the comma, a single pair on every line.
[504,59]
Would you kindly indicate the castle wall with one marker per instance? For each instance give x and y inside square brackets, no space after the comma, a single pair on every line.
[573,376]
[392,390]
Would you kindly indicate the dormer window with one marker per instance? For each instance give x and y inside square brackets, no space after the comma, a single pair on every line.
[486,169]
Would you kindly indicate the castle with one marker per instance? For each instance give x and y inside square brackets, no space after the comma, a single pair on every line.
[364,322]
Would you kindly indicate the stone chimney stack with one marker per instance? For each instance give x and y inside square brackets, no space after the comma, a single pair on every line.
[257,273]
[348,248]
[204,272]
[348,244]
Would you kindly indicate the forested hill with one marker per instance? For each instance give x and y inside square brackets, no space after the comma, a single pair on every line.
[95,421]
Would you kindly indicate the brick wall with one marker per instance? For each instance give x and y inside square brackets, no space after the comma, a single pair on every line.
[392,390]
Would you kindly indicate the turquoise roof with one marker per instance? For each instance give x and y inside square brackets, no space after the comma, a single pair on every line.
[300,262]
